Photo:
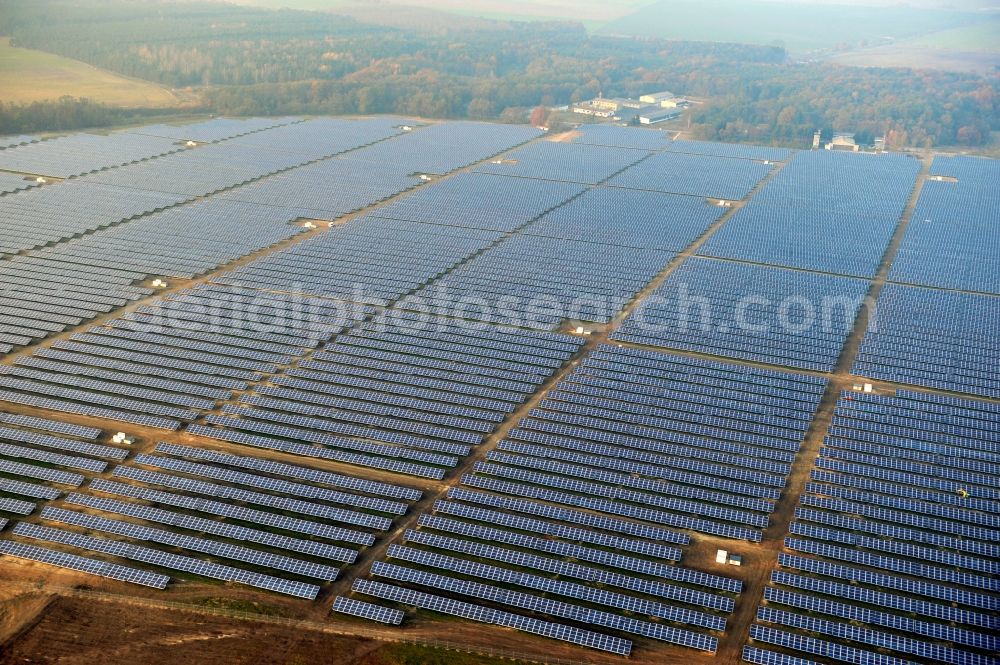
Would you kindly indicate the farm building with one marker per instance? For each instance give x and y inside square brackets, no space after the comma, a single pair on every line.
[658,116]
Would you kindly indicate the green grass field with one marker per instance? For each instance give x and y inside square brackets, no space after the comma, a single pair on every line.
[984,36]
[28,76]
[971,48]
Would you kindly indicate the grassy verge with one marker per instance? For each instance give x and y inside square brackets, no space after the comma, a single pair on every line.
[28,76]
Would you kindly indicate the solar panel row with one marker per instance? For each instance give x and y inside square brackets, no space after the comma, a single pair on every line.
[158,368]
[826,211]
[428,405]
[481,201]
[694,175]
[216,129]
[933,338]
[955,215]
[83,564]
[365,610]
[77,154]
[489,615]
[750,312]
[889,552]
[167,560]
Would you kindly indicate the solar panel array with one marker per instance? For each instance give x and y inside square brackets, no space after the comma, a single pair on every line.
[215,548]
[320,137]
[167,362]
[167,560]
[283,527]
[182,242]
[622,137]
[951,241]
[12,182]
[307,191]
[894,543]
[488,615]
[933,338]
[42,215]
[374,173]
[50,289]
[100,269]
[45,296]
[537,282]
[568,162]
[734,150]
[376,344]
[216,129]
[601,484]
[629,218]
[187,241]
[524,601]
[77,154]
[442,148]
[750,312]
[40,457]
[217,166]
[481,201]
[401,393]
[711,442]
[825,211]
[455,559]
[694,175]
[371,260]
[82,564]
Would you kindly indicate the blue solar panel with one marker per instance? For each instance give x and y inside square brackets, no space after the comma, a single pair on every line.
[900,554]
[570,162]
[823,211]
[862,615]
[622,137]
[629,218]
[481,201]
[956,215]
[933,338]
[764,657]
[694,175]
[750,312]
[872,638]
[519,600]
[489,615]
[565,589]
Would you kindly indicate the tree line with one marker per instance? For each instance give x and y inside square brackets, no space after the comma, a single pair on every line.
[249,61]
[69,113]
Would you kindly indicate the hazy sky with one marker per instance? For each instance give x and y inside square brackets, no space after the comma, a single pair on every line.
[502,6]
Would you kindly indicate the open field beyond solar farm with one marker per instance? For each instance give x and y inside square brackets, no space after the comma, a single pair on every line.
[27,75]
[379,391]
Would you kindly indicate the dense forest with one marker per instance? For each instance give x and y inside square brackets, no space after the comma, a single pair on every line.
[69,113]
[244,61]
